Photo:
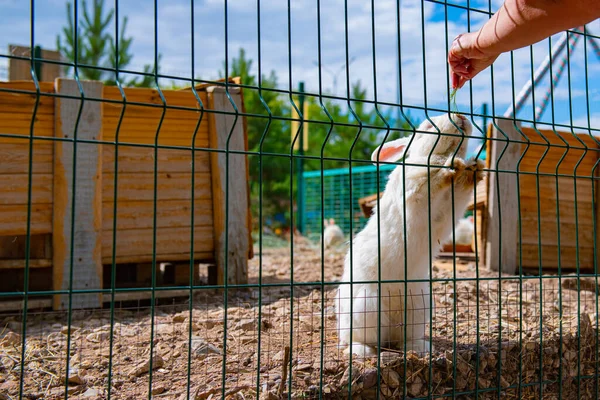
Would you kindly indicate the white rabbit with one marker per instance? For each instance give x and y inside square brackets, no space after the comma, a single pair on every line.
[425,200]
[463,233]
[332,234]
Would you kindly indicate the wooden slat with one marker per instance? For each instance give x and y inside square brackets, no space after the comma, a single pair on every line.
[170,214]
[13,189]
[33,263]
[137,243]
[77,207]
[548,232]
[7,97]
[144,132]
[502,201]
[203,256]
[13,219]
[141,159]
[547,188]
[143,295]
[32,304]
[550,257]
[171,186]
[22,127]
[529,211]
[234,231]
[14,157]
[152,96]
[189,114]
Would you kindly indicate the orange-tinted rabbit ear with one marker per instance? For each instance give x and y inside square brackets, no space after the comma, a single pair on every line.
[390,151]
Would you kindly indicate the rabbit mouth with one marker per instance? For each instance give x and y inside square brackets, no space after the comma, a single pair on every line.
[461,121]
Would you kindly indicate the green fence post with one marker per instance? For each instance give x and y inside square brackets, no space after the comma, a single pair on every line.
[300,162]
[37,54]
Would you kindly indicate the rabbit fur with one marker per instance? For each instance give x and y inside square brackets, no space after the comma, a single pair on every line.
[332,234]
[406,196]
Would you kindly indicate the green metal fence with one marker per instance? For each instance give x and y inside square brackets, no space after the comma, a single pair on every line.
[130,190]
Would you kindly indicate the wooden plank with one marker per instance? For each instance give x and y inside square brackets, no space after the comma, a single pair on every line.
[171,186]
[145,133]
[13,219]
[201,256]
[547,188]
[14,189]
[32,304]
[529,211]
[169,214]
[230,210]
[152,96]
[141,159]
[570,234]
[85,196]
[21,69]
[33,263]
[568,257]
[144,295]
[11,126]
[481,195]
[558,137]
[189,114]
[137,243]
[15,157]
[502,201]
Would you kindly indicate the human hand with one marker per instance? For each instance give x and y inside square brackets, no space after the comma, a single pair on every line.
[466,59]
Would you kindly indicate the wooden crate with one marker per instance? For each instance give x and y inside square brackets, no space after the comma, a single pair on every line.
[539,197]
[121,153]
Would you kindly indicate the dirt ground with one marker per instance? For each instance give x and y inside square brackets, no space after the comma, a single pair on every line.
[528,330]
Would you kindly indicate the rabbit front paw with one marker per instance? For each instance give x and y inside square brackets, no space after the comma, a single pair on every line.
[456,167]
[474,172]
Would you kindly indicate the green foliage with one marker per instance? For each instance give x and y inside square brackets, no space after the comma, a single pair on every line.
[273,138]
[268,136]
[96,47]
[347,139]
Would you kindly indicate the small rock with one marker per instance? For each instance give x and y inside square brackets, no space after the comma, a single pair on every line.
[158,389]
[246,324]
[75,378]
[178,318]
[91,392]
[10,387]
[387,357]
[144,366]
[415,388]
[369,378]
[330,367]
[269,395]
[201,348]
[391,378]
[97,337]
[10,339]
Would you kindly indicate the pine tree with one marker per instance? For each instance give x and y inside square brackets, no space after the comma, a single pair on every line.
[97,48]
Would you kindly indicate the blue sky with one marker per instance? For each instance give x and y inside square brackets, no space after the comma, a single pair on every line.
[424,73]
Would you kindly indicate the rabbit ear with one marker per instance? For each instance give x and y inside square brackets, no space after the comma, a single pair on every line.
[390,151]
[331,221]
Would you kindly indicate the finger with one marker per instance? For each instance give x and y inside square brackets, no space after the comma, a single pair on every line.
[455,81]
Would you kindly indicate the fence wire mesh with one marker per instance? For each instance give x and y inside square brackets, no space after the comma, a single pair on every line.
[165,211]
